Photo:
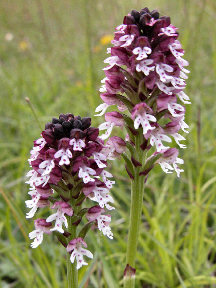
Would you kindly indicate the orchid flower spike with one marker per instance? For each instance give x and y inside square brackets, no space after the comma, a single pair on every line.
[69,158]
[146,81]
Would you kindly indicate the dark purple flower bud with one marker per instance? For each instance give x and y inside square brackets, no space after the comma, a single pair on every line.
[77,124]
[136,15]
[55,121]
[58,131]
[92,134]
[77,133]
[86,123]
[48,125]
[128,20]
[48,136]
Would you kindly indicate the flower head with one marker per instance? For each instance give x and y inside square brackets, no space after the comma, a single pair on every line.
[67,160]
[146,75]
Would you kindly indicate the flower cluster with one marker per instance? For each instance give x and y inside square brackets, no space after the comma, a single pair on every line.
[145,79]
[69,165]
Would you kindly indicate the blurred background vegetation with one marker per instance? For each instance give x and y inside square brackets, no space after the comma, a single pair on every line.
[52,52]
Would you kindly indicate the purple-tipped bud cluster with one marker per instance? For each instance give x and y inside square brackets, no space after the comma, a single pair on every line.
[69,166]
[145,79]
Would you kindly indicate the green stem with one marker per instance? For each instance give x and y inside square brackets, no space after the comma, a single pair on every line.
[72,273]
[137,190]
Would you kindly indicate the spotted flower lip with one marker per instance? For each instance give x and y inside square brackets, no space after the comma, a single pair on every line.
[41,227]
[75,246]
[114,147]
[95,213]
[141,115]
[68,163]
[147,72]
[170,161]
[59,216]
[112,119]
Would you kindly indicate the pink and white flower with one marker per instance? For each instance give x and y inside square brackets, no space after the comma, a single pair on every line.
[65,155]
[78,144]
[156,138]
[41,227]
[169,161]
[103,221]
[142,52]
[59,216]
[112,119]
[141,116]
[102,197]
[145,66]
[75,246]
[85,172]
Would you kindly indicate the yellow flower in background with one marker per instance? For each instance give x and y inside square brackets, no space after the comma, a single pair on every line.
[97,49]
[106,39]
[24,45]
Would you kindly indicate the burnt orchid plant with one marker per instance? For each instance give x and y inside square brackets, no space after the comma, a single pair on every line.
[145,79]
[68,174]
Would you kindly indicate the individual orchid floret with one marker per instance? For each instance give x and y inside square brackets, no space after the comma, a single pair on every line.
[102,197]
[114,147]
[47,165]
[103,221]
[78,145]
[169,161]
[176,110]
[112,119]
[99,193]
[64,152]
[36,202]
[76,247]
[59,216]
[100,159]
[85,172]
[110,98]
[157,136]
[141,116]
[39,144]
[145,66]
[41,227]
[105,175]
[141,52]
[184,97]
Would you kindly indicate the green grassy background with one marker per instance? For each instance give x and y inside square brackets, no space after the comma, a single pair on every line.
[56,59]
